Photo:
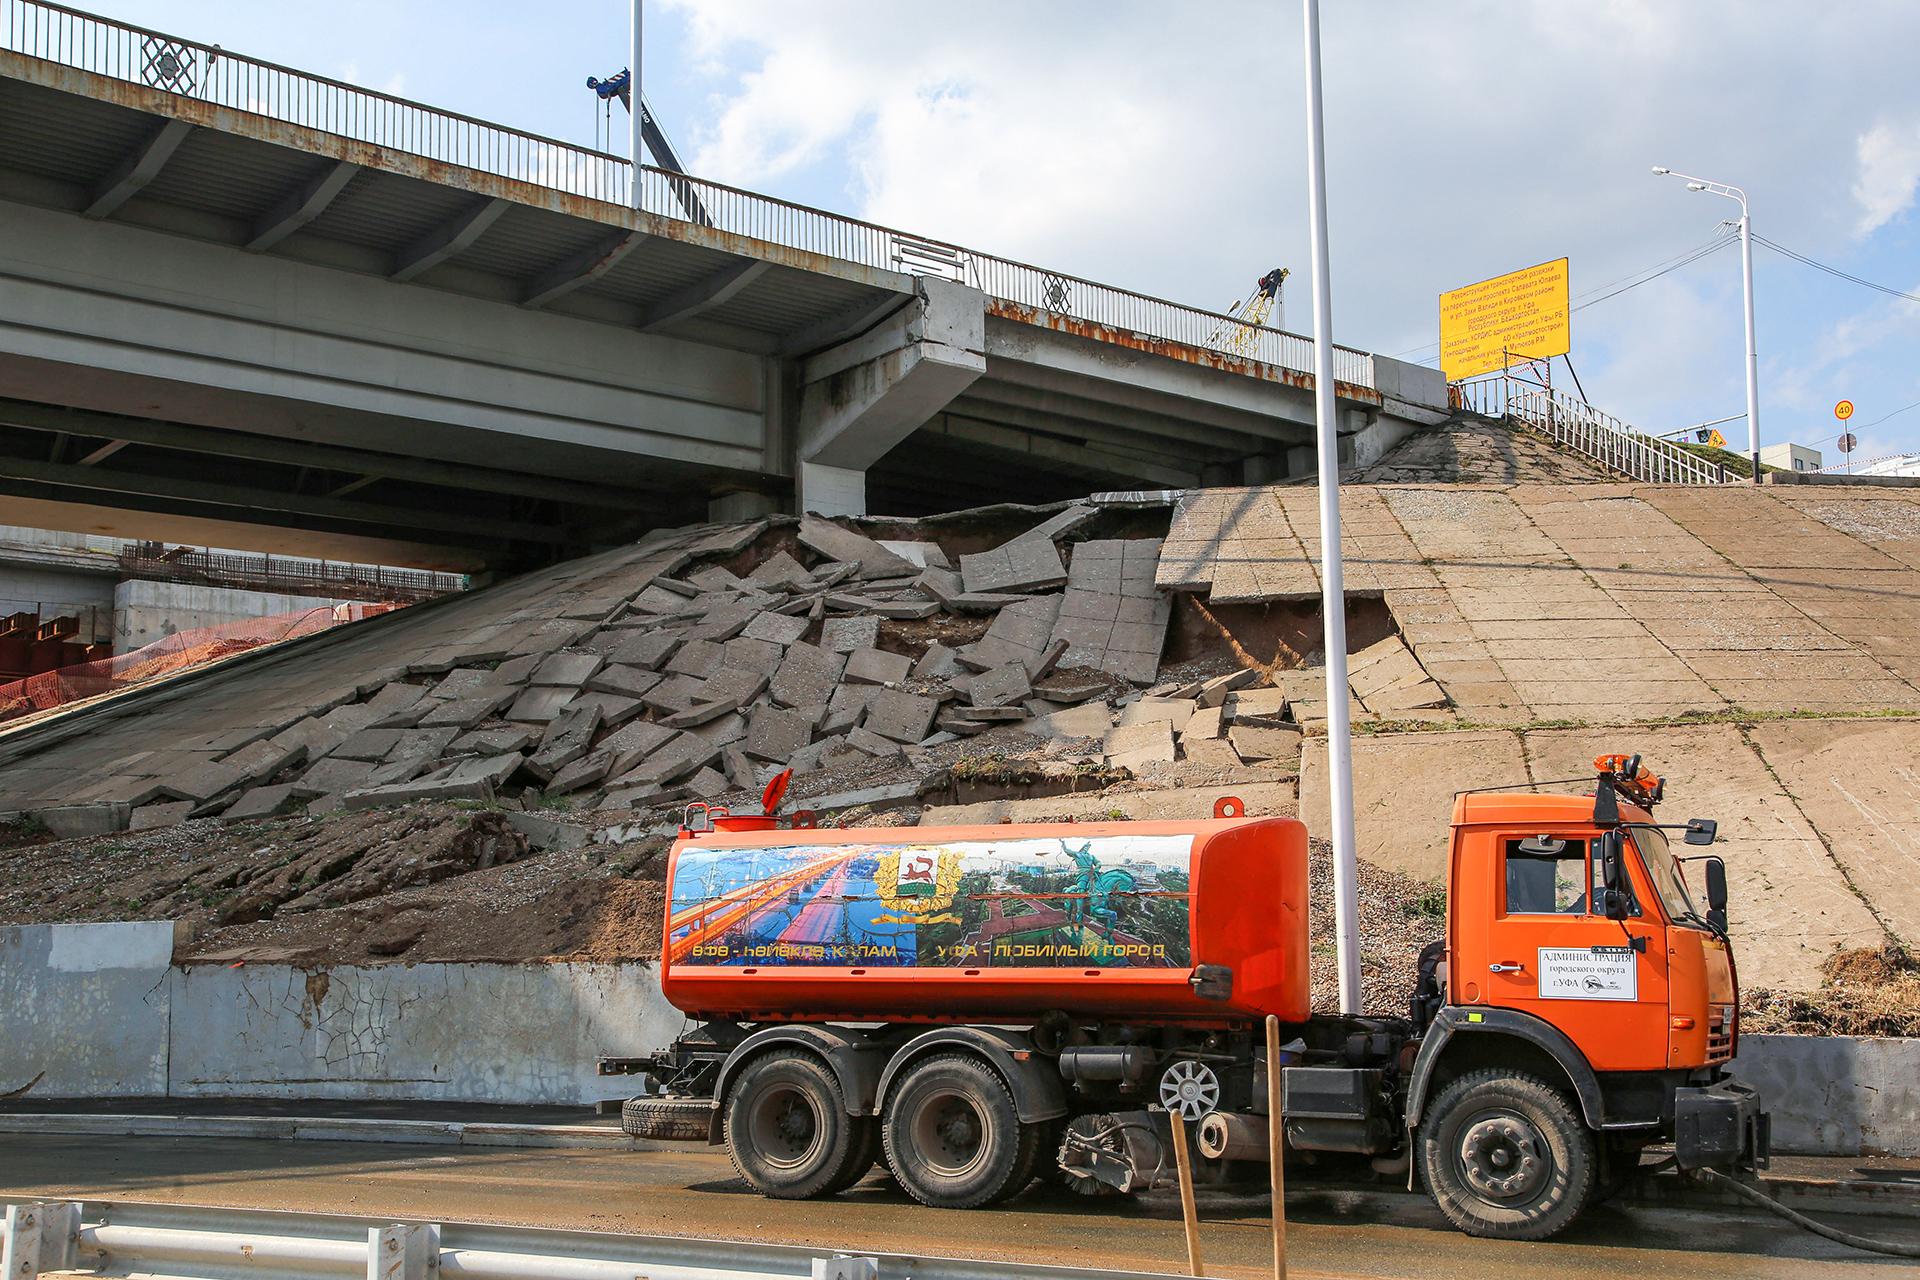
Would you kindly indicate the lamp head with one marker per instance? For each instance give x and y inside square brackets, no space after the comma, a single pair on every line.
[1661,169]
[1696,186]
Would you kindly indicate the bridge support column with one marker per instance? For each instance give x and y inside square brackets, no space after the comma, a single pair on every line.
[860,399]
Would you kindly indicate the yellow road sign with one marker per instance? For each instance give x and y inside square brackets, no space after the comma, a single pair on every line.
[1715,439]
[1523,315]
[1843,410]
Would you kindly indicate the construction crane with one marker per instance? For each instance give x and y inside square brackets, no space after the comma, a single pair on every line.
[1240,335]
[621,86]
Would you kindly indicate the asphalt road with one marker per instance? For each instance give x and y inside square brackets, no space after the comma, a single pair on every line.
[694,1192]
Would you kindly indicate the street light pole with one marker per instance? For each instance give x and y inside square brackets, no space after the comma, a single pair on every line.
[634,144]
[1333,595]
[1746,275]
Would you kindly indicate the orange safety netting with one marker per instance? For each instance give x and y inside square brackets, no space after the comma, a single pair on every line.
[173,653]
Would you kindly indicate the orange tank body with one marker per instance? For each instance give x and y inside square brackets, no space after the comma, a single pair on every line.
[1102,920]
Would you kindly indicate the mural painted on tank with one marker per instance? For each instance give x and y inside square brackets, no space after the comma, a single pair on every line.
[1105,901]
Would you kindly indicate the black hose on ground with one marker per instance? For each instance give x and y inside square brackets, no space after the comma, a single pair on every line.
[1798,1219]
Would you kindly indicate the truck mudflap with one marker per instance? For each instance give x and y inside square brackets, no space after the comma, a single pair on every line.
[1719,1126]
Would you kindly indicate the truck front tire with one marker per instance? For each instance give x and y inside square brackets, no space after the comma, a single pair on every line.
[788,1131]
[1506,1156]
[952,1136]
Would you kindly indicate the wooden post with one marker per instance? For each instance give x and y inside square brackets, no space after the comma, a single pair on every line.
[1276,1148]
[1184,1167]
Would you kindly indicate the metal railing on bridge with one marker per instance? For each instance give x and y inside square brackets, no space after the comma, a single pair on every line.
[1584,429]
[209,73]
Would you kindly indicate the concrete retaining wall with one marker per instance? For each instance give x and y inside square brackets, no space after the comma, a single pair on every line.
[83,1009]
[148,611]
[1837,1095]
[102,1012]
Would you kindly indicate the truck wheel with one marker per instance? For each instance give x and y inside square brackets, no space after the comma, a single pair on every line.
[1506,1156]
[952,1136]
[673,1119]
[862,1154]
[788,1131]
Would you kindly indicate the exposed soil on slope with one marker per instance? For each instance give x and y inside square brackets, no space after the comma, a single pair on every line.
[1869,991]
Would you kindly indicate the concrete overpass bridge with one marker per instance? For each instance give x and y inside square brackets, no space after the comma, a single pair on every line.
[245,305]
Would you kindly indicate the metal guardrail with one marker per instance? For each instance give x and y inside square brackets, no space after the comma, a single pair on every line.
[209,73]
[156,562]
[186,1242]
[1607,440]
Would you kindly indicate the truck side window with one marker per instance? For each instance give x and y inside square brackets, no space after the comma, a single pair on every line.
[1547,875]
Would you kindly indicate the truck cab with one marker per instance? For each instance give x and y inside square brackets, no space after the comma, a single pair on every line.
[1586,1007]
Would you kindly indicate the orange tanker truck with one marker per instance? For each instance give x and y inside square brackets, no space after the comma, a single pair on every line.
[983,1005]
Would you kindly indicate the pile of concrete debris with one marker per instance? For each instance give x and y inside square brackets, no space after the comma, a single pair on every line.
[703,661]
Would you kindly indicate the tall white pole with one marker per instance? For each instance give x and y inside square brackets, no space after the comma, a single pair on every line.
[1333,595]
[1753,350]
[636,149]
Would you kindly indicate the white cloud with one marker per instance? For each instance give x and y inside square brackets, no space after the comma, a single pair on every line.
[1889,157]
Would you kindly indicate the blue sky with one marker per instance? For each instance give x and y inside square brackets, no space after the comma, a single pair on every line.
[1159,147]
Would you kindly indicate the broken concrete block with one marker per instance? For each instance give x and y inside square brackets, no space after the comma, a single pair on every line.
[835,543]
[1020,634]
[1175,711]
[622,681]
[567,670]
[725,731]
[420,789]
[333,775]
[1025,564]
[494,771]
[847,707]
[538,704]
[465,712]
[394,696]
[937,663]
[634,742]
[902,716]
[567,739]
[368,744]
[844,635]
[740,770]
[1213,693]
[775,628]
[707,782]
[877,666]
[905,610]
[1262,742]
[66,821]
[873,744]
[779,572]
[677,759]
[925,555]
[516,670]
[202,783]
[714,578]
[1006,685]
[776,734]
[1136,746]
[723,622]
[263,802]
[697,658]
[490,742]
[647,649]
[675,693]
[163,813]
[614,710]
[1063,688]
[1255,706]
[1202,724]
[988,715]
[584,772]
[744,653]
[1214,752]
[807,675]
[263,759]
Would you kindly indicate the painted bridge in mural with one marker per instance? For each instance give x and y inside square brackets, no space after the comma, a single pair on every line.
[233,294]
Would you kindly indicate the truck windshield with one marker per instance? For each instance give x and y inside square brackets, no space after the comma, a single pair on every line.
[1665,873]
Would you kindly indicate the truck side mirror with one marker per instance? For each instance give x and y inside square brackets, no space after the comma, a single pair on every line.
[1701,830]
[1717,893]
[1614,901]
